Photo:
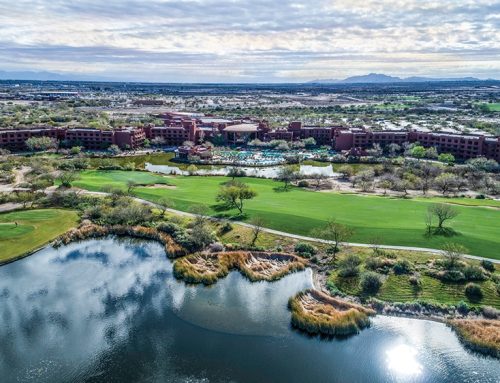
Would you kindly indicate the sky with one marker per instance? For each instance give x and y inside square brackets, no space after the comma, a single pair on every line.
[250,41]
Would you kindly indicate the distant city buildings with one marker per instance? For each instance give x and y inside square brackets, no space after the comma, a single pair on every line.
[196,127]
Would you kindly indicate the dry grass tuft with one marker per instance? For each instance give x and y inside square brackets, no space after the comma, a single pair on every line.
[256,266]
[318,313]
[482,335]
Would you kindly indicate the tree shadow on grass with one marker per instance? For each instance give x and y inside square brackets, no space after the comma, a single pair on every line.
[443,232]
[281,189]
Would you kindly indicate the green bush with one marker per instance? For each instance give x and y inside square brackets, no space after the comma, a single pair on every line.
[474,273]
[303,184]
[473,291]
[463,308]
[370,282]
[488,265]
[349,266]
[305,249]
[402,266]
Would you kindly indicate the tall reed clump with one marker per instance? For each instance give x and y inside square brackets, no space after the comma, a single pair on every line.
[256,266]
[482,335]
[318,313]
[173,249]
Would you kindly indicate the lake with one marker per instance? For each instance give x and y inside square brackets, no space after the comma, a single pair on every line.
[110,310]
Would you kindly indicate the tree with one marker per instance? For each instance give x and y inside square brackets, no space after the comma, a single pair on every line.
[66,178]
[257,223]
[427,173]
[287,174]
[114,150]
[446,158]
[346,171]
[453,253]
[131,185]
[376,151]
[235,171]
[192,169]
[317,178]
[335,232]
[442,212]
[158,141]
[41,143]
[418,151]
[393,149]
[384,184]
[164,204]
[75,150]
[431,152]
[234,193]
[445,182]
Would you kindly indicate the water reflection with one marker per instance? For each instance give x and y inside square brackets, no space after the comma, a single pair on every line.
[110,310]
[402,361]
[263,172]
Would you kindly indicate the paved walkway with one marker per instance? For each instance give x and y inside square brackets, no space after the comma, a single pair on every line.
[311,239]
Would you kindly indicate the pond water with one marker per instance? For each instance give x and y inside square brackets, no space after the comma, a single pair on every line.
[111,311]
[264,172]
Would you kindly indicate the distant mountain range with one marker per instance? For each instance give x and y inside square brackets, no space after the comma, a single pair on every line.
[372,78]
[378,78]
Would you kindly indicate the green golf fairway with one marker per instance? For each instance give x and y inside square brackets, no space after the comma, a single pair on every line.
[35,229]
[392,221]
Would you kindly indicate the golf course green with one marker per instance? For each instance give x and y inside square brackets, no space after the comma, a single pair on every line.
[34,229]
[391,221]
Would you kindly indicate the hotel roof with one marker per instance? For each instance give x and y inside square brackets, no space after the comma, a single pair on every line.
[242,128]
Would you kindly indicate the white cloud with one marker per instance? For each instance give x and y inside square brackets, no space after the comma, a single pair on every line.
[275,41]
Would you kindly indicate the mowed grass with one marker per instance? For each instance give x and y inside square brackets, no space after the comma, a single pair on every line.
[35,229]
[391,221]
[493,107]
[96,180]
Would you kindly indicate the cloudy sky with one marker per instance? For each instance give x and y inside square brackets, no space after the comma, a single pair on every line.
[251,40]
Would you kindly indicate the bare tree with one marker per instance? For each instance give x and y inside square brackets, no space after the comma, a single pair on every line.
[453,253]
[163,205]
[335,232]
[443,212]
[257,223]
[287,174]
[317,178]
[131,185]
[428,221]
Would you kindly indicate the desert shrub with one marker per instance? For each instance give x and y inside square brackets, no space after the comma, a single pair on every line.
[370,282]
[473,291]
[225,228]
[380,264]
[170,228]
[490,312]
[488,265]
[451,276]
[402,266]
[333,289]
[474,273]
[303,184]
[463,308]
[415,281]
[305,249]
[349,266]
[216,247]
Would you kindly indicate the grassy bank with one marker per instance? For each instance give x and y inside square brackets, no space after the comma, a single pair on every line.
[318,313]
[393,221]
[35,228]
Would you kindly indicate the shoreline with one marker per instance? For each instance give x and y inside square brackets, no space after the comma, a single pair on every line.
[180,255]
